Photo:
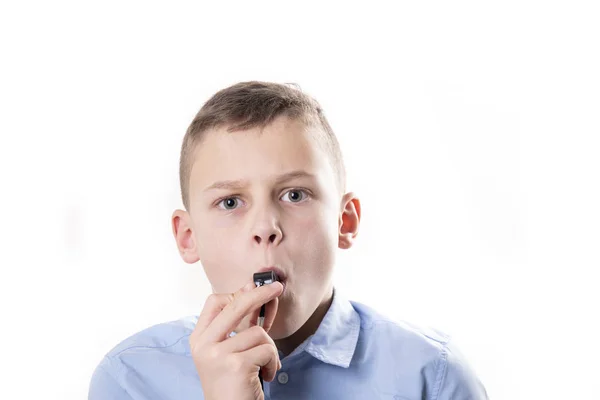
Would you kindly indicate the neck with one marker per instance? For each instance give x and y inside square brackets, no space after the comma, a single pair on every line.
[288,344]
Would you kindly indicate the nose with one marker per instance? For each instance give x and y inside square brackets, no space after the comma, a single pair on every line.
[268,234]
[267,230]
[273,238]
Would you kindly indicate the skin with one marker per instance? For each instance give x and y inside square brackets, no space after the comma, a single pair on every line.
[262,217]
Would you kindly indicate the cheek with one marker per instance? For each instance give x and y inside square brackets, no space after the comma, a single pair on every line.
[212,241]
[314,242]
[215,241]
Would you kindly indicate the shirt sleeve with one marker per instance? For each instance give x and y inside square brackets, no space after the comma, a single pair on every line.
[104,386]
[455,380]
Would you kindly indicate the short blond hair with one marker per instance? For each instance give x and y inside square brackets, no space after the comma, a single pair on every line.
[247,105]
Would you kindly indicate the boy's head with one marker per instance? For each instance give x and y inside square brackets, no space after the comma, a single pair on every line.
[263,185]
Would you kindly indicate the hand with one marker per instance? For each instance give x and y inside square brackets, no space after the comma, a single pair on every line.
[228,367]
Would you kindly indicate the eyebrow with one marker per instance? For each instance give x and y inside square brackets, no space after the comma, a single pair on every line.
[240,183]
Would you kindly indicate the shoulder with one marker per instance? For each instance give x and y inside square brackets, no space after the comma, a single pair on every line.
[398,333]
[167,335]
[146,361]
[427,355]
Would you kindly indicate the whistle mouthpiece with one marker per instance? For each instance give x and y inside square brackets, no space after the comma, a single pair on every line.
[264,278]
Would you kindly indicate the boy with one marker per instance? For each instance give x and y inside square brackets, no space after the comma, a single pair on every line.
[263,185]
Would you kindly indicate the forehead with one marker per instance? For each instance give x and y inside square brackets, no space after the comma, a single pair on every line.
[260,154]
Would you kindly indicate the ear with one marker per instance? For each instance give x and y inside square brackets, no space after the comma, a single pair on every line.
[181,223]
[349,220]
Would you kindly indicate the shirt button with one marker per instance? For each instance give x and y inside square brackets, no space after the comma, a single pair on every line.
[283,378]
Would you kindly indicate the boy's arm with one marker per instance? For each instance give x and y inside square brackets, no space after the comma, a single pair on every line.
[104,386]
[455,380]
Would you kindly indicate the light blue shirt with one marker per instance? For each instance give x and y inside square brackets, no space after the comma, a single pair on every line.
[355,353]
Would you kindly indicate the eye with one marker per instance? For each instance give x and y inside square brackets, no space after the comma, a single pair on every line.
[294,195]
[230,203]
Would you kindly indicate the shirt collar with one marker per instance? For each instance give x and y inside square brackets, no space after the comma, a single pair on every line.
[336,337]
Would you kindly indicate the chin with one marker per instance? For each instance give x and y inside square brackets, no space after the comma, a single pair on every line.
[283,329]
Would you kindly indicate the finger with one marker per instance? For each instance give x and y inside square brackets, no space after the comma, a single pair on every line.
[249,320]
[214,305]
[245,340]
[265,358]
[270,312]
[243,304]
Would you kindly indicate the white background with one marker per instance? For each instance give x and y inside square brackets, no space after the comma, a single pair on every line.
[470,131]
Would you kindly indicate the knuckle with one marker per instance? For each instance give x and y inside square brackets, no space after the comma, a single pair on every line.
[194,347]
[235,305]
[210,303]
[230,297]
[268,349]
[213,300]
[198,352]
[213,353]
[257,331]
[275,352]
[196,344]
[259,335]
[235,363]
